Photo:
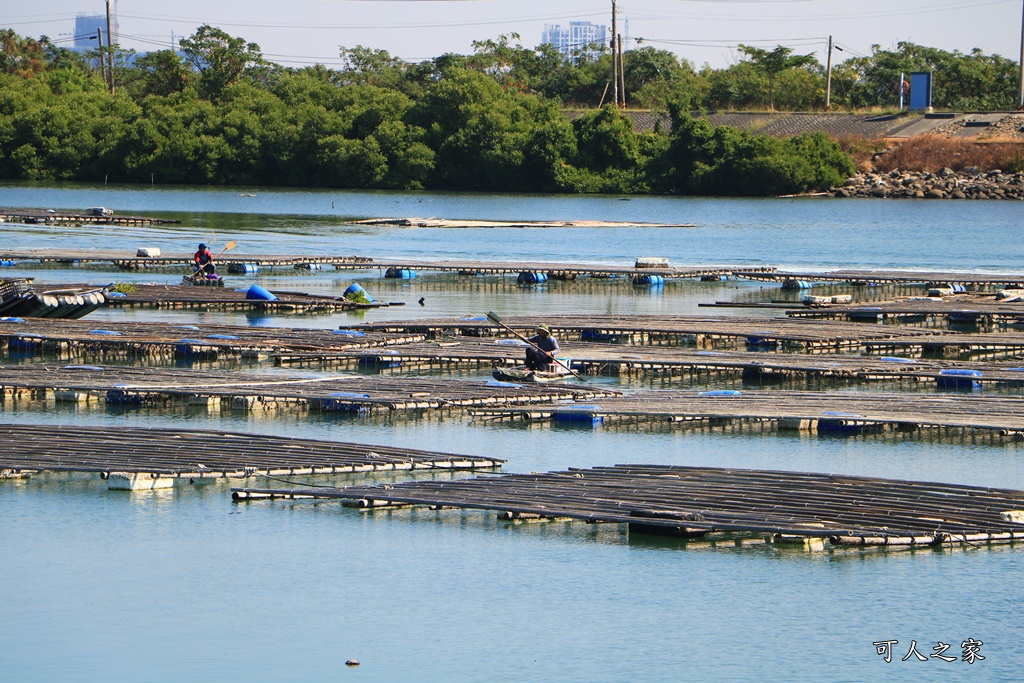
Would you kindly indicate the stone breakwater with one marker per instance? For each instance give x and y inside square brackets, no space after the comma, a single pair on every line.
[947,184]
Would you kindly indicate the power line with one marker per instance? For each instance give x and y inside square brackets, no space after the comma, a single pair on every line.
[802,42]
[739,15]
[365,27]
[278,58]
[846,48]
[924,10]
[39,21]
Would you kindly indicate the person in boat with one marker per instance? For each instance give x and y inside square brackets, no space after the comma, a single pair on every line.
[541,355]
[203,262]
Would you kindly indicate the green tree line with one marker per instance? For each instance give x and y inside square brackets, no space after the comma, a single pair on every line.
[217,112]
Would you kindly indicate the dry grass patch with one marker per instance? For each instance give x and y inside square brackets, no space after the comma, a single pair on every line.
[860,149]
[933,153]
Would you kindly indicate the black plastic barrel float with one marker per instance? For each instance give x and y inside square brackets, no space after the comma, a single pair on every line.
[399,273]
[532,277]
[648,280]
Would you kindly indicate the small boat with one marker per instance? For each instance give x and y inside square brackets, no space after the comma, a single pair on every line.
[522,375]
[557,373]
[202,281]
[19,299]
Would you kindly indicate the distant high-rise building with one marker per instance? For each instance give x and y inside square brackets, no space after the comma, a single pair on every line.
[575,37]
[85,29]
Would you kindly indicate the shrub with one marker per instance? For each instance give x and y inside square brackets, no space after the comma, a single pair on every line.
[1015,164]
[860,149]
[358,297]
[725,161]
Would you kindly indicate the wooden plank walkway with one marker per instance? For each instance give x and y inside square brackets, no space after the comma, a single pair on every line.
[553,270]
[127,260]
[408,350]
[696,501]
[727,333]
[246,391]
[192,453]
[466,352]
[228,299]
[981,312]
[66,218]
[704,332]
[388,267]
[832,413]
[875,277]
[621,360]
[950,345]
[79,339]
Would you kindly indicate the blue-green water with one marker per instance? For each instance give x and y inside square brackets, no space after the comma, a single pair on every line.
[821,233]
[185,585]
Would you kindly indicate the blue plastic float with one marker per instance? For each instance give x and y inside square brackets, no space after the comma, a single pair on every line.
[399,273]
[956,378]
[260,294]
[577,416]
[531,277]
[356,289]
[648,280]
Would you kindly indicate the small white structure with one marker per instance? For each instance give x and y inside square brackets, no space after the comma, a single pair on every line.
[810,300]
[138,481]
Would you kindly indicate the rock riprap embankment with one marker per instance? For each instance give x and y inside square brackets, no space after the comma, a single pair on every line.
[947,184]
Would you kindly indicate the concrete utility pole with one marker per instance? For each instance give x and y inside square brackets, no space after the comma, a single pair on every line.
[828,76]
[622,71]
[110,51]
[1020,81]
[615,55]
[103,61]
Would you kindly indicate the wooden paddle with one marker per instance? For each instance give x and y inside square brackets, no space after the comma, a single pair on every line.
[227,247]
[493,317]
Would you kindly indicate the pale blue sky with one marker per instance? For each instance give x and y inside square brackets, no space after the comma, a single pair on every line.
[296,32]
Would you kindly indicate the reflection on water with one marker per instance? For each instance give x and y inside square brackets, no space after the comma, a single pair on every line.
[541,446]
[109,586]
[806,233]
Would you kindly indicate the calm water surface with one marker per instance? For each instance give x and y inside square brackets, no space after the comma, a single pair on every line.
[819,233]
[185,585]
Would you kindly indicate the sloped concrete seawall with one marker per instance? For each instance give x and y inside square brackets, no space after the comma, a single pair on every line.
[947,184]
[975,126]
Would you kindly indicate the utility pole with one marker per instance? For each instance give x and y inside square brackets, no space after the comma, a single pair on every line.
[622,71]
[103,61]
[110,51]
[828,76]
[615,55]
[1020,82]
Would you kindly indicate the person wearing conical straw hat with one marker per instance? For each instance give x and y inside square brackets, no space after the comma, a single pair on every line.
[542,354]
